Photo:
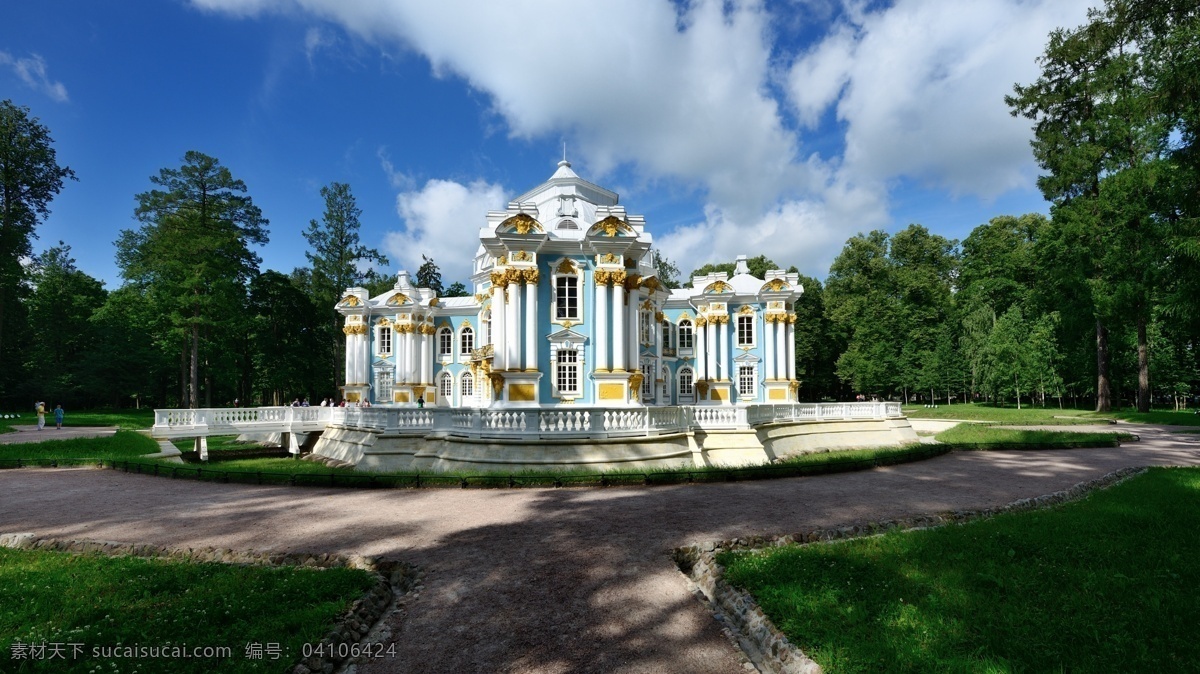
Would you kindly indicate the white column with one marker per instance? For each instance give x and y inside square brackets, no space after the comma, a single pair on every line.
[620,339]
[401,347]
[601,328]
[781,352]
[698,332]
[531,315]
[350,359]
[658,361]
[723,330]
[711,368]
[768,349]
[499,345]
[634,334]
[424,362]
[362,359]
[791,351]
[512,323]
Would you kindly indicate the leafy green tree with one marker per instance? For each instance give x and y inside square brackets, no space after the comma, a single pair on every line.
[193,255]
[30,178]
[665,270]
[758,266]
[287,341]
[130,357]
[62,302]
[456,289]
[429,276]
[337,260]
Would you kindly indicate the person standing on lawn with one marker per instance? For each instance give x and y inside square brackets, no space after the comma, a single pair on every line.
[58,416]
[41,414]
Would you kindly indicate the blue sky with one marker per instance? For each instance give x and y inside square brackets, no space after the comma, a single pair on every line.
[782,127]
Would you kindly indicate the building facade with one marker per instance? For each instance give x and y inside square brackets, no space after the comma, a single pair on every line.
[568,310]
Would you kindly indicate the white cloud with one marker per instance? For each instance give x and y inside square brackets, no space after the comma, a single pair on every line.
[920,86]
[442,221]
[314,39]
[32,71]
[687,92]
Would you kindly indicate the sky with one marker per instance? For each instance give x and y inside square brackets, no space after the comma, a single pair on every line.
[778,127]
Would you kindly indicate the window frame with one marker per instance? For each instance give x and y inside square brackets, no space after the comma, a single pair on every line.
[573,284]
[747,374]
[686,387]
[466,341]
[690,333]
[749,321]
[570,368]
[466,387]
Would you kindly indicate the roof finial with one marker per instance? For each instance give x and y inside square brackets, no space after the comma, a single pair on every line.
[564,161]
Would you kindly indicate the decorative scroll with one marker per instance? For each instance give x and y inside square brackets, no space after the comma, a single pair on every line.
[351,301]
[522,224]
[635,384]
[611,226]
[397,299]
[718,287]
[775,285]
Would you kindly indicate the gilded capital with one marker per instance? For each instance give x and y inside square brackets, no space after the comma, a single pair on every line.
[602,278]
[531,276]
[499,279]
[617,276]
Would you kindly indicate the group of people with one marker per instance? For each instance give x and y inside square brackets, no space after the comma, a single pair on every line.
[40,408]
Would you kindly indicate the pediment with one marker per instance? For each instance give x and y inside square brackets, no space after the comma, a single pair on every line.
[566,335]
[747,358]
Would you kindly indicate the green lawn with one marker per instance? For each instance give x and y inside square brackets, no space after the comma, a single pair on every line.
[143,418]
[1008,414]
[985,436]
[101,602]
[125,444]
[1107,584]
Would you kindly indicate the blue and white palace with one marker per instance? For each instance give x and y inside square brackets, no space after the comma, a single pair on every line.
[570,354]
[568,310]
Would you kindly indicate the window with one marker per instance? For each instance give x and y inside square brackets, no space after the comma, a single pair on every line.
[567,372]
[566,298]
[644,326]
[487,327]
[466,387]
[685,382]
[385,341]
[466,341]
[745,381]
[648,379]
[445,342]
[745,330]
[446,387]
[685,334]
[383,386]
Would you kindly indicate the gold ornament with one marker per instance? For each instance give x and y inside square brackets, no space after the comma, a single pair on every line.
[522,224]
[499,279]
[531,276]
[567,266]
[718,287]
[522,256]
[351,301]
[701,321]
[635,384]
[774,285]
[611,225]
[746,309]
[397,299]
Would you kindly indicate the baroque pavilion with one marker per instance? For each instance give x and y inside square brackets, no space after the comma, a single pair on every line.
[568,310]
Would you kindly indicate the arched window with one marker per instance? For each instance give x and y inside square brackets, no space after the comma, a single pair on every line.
[566,293]
[385,341]
[445,342]
[466,387]
[745,330]
[567,224]
[566,376]
[686,382]
[466,341]
[446,388]
[745,381]
[685,335]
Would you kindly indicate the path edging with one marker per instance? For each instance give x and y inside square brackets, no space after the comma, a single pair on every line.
[393,580]
[765,645]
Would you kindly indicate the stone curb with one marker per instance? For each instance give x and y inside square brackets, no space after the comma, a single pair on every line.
[769,649]
[393,580]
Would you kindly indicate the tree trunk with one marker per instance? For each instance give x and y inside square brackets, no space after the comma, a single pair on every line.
[1103,384]
[1017,386]
[194,379]
[184,400]
[1143,350]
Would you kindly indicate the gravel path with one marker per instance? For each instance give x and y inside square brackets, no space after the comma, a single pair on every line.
[26,434]
[543,580]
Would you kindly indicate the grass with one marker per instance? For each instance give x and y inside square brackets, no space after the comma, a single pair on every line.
[122,445]
[102,601]
[1107,584]
[981,436]
[1047,416]
[143,418]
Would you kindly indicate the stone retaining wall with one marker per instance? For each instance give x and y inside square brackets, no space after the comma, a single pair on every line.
[393,581]
[767,647]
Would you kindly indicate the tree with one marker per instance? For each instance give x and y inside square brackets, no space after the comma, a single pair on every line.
[456,289]
[287,340]
[665,270]
[429,276]
[30,178]
[758,266]
[336,257]
[817,348]
[193,254]
[60,306]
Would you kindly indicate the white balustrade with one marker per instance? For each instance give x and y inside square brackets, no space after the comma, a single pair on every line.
[587,422]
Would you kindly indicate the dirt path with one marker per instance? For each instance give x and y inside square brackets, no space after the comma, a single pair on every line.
[569,580]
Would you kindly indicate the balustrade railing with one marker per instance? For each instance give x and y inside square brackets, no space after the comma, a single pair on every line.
[581,422]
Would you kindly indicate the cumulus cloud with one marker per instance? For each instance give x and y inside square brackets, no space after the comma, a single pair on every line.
[32,71]
[442,221]
[920,86]
[689,92]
